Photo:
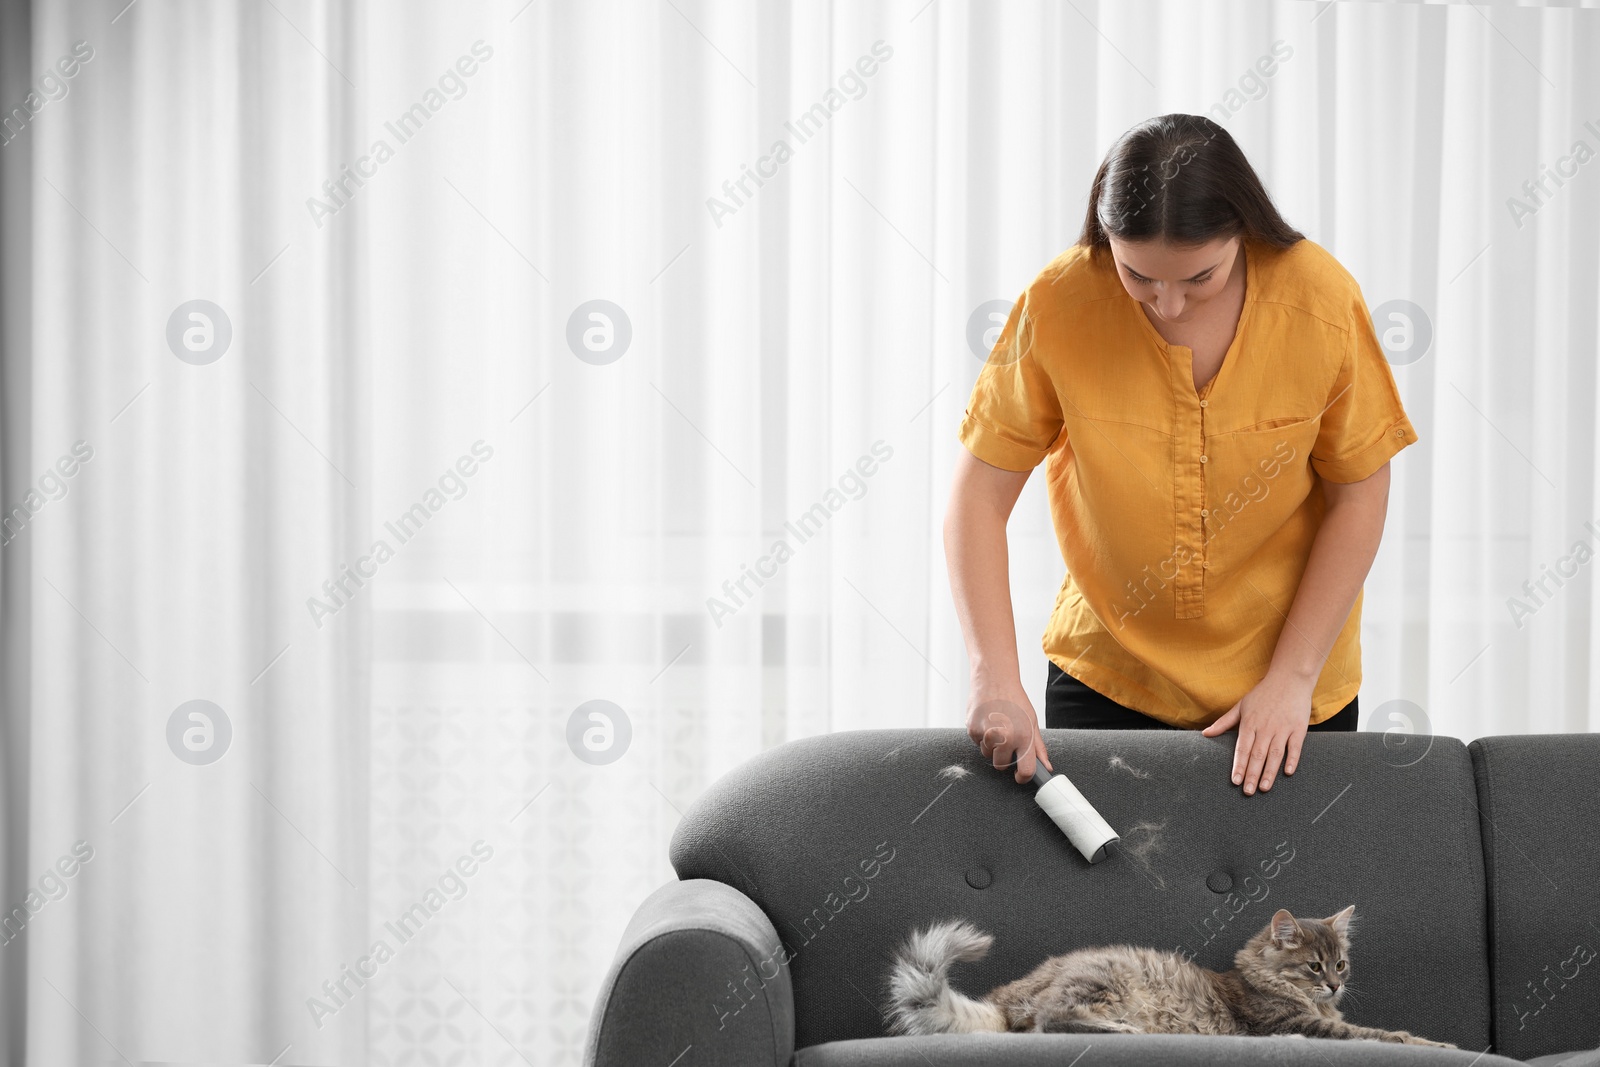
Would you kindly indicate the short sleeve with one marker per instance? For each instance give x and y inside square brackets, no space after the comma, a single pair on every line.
[1013,417]
[1363,424]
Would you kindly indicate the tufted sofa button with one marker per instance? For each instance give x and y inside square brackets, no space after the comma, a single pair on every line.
[1219,881]
[979,878]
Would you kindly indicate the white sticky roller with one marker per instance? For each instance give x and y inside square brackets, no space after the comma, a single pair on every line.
[1067,808]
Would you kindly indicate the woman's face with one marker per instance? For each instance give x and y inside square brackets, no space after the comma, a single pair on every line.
[1175,283]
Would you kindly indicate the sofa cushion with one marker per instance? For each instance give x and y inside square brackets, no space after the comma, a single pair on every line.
[1131,1050]
[849,840]
[1540,813]
[1586,1058]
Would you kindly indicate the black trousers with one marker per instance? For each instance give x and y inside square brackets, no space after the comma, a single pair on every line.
[1071,705]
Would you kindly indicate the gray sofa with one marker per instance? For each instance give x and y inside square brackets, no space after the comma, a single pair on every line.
[1474,869]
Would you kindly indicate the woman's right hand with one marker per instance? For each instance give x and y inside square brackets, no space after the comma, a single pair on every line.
[1003,724]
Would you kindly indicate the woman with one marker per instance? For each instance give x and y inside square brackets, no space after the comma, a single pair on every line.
[1217,419]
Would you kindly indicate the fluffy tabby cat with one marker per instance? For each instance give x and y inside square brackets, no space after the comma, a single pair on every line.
[1286,980]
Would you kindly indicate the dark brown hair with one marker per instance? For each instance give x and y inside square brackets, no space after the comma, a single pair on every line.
[1180,179]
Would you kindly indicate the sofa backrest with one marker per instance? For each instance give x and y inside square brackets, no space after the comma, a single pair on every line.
[1539,799]
[850,840]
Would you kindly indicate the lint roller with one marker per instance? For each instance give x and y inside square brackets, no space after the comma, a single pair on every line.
[1067,808]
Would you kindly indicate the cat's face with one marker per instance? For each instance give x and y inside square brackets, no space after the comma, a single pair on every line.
[1311,954]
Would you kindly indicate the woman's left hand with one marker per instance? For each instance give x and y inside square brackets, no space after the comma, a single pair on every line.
[1272,720]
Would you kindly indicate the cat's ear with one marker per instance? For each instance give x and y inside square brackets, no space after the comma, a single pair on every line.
[1341,921]
[1285,930]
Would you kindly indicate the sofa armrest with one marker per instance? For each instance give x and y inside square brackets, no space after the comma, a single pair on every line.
[700,966]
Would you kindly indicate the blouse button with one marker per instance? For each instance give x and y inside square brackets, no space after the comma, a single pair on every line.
[1204,512]
[1203,459]
[1399,432]
[1204,403]
[1206,563]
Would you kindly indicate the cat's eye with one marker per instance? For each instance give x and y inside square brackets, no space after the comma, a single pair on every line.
[1316,968]
[1341,965]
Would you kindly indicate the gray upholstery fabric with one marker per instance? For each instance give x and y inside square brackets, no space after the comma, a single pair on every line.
[1131,1050]
[1589,1058]
[696,971]
[1541,840]
[1392,831]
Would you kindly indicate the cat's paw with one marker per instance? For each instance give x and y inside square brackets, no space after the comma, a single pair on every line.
[1413,1039]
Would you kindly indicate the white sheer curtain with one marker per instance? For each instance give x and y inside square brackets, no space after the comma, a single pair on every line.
[574,498]
[177,512]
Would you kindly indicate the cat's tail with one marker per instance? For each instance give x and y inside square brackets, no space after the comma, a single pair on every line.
[920,998]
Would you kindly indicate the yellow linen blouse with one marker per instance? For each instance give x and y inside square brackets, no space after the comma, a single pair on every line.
[1185,519]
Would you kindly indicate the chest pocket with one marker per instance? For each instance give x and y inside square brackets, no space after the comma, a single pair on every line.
[1272,457]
